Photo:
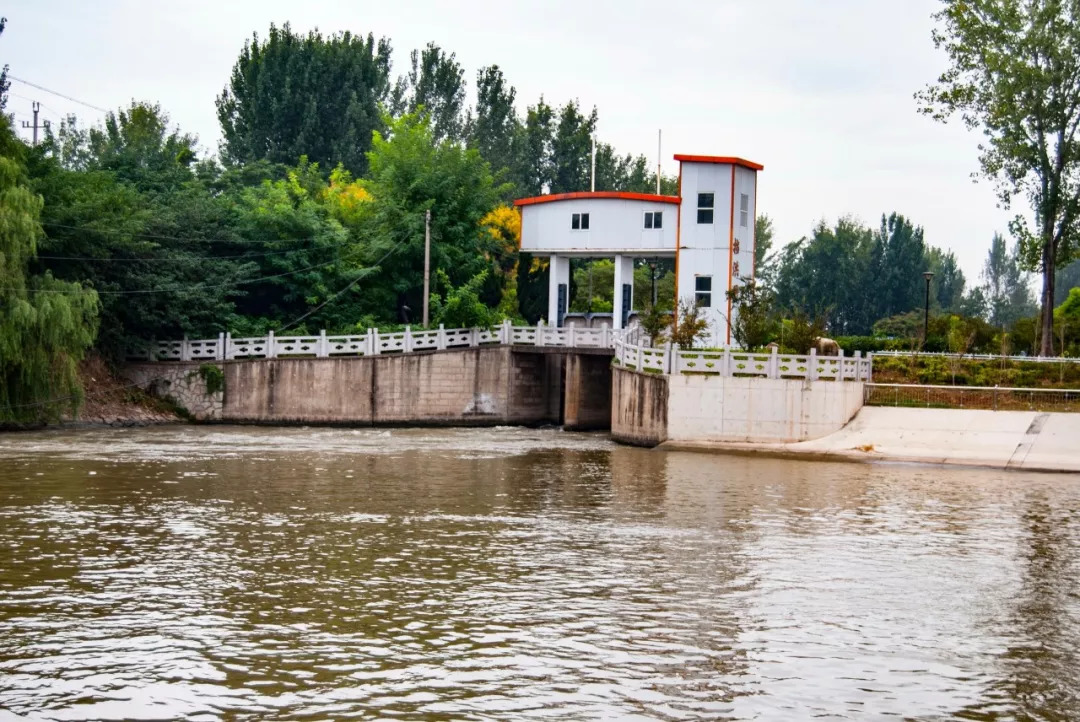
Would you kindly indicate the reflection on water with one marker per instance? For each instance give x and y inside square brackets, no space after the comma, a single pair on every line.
[217,572]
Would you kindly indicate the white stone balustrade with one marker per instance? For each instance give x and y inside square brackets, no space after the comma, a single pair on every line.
[371,343]
[671,360]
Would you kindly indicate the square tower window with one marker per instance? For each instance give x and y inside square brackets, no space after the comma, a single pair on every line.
[744,210]
[654,219]
[703,291]
[579,221]
[705,204]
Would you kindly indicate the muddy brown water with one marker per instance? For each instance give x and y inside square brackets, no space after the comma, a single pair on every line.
[255,573]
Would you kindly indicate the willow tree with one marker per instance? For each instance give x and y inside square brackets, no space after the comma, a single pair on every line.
[46,325]
[1014,74]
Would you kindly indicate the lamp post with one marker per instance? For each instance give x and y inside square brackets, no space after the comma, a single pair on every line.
[926,313]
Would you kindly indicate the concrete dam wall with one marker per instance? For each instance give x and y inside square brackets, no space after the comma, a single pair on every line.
[463,387]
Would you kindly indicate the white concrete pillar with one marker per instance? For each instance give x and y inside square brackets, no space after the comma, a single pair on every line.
[624,300]
[558,275]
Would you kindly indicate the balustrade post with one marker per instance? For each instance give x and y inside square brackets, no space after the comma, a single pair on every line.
[407,347]
[440,338]
[811,367]
[271,352]
[185,349]
[858,365]
[220,355]
[570,336]
[725,365]
[229,355]
[774,363]
[374,340]
[539,333]
[869,367]
[323,349]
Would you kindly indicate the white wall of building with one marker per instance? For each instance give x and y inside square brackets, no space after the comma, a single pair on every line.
[615,225]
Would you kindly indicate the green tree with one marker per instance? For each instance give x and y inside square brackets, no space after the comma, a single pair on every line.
[828,274]
[692,325]
[436,84]
[1014,74]
[292,95]
[1068,278]
[536,169]
[410,173]
[461,307]
[496,131]
[1004,286]
[571,149]
[897,261]
[764,264]
[755,323]
[46,325]
[947,285]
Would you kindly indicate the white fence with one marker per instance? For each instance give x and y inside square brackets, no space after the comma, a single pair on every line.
[372,343]
[981,356]
[734,362]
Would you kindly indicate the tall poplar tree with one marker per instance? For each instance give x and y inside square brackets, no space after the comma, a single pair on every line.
[1014,74]
[292,95]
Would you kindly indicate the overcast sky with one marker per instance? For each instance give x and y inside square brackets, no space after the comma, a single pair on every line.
[819,91]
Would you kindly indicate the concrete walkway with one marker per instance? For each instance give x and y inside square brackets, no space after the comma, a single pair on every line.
[1023,440]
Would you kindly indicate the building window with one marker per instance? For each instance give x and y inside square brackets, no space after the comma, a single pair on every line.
[744,210]
[705,203]
[654,219]
[579,221]
[703,291]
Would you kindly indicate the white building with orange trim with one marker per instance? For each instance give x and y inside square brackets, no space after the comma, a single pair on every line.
[708,229]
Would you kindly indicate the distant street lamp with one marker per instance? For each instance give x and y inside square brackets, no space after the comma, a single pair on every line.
[926,314]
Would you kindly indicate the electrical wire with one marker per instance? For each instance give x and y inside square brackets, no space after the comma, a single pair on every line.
[196,287]
[156,237]
[180,258]
[59,95]
[347,287]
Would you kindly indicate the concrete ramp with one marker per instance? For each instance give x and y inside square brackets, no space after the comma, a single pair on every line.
[1026,440]
[1021,440]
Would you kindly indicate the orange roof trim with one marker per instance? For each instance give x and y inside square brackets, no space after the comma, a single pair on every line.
[725,160]
[620,195]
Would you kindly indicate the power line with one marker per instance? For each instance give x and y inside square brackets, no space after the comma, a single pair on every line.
[347,287]
[156,237]
[196,287]
[59,95]
[180,258]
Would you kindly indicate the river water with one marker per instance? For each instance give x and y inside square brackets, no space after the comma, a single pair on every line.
[254,573]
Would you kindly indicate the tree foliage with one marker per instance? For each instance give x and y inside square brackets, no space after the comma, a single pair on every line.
[755,321]
[294,95]
[46,325]
[1014,74]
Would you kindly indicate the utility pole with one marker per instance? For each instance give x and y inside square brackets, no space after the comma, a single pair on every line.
[592,174]
[427,263]
[659,136]
[44,124]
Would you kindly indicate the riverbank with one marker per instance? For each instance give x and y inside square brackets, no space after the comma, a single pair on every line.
[111,400]
[1014,440]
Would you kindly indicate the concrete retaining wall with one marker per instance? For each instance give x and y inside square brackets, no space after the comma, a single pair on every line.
[719,408]
[649,409]
[639,407]
[463,387]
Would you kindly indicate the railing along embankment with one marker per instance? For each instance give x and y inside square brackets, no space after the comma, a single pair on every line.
[371,343]
[729,362]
